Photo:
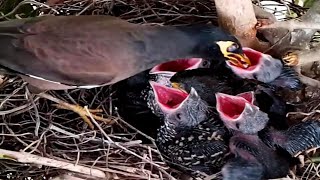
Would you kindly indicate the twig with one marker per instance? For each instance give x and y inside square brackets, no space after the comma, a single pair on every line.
[36,129]
[13,93]
[292,25]
[126,150]
[23,3]
[24,157]
[17,108]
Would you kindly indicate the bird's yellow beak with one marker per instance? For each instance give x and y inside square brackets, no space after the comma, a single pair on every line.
[236,59]
[178,86]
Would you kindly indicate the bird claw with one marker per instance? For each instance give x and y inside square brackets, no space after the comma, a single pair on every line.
[84,113]
[291,59]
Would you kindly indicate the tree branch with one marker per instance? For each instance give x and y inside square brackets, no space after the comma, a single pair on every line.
[24,157]
[294,36]
[243,28]
[292,25]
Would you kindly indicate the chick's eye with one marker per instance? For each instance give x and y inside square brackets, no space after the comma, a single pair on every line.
[178,116]
[205,63]
[233,47]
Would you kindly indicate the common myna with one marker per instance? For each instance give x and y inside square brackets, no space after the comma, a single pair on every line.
[91,51]
[253,160]
[65,52]
[134,98]
[264,71]
[264,152]
[192,137]
[193,140]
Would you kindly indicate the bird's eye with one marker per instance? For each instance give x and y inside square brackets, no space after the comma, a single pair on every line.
[178,116]
[233,47]
[237,125]
[205,63]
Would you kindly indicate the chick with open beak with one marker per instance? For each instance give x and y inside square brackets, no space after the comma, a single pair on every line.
[262,152]
[134,98]
[264,68]
[240,114]
[192,137]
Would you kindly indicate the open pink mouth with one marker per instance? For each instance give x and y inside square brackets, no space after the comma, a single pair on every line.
[232,107]
[177,65]
[254,56]
[168,98]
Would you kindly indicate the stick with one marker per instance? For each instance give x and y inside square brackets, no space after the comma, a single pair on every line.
[292,25]
[24,157]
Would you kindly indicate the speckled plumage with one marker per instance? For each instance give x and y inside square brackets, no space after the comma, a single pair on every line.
[193,138]
[201,148]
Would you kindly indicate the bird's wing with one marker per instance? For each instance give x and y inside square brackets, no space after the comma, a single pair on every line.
[74,51]
[297,138]
[238,168]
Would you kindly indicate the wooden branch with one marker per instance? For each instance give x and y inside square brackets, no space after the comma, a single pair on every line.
[300,32]
[292,25]
[238,18]
[25,157]
[303,37]
[262,14]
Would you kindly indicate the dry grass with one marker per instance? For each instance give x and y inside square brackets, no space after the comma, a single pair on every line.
[54,139]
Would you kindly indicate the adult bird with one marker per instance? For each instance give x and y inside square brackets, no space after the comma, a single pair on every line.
[51,54]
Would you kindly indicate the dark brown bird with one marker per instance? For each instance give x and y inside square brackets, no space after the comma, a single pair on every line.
[65,52]
[102,50]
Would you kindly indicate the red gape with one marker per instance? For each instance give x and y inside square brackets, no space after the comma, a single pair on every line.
[168,98]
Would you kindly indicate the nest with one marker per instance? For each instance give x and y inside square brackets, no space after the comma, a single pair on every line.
[57,143]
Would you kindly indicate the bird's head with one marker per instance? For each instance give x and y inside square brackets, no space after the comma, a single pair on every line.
[216,44]
[234,54]
[267,69]
[180,108]
[263,68]
[239,112]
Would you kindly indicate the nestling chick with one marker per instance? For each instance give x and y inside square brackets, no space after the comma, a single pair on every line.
[134,96]
[264,152]
[191,139]
[266,69]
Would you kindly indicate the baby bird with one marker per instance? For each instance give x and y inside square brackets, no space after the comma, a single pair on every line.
[134,98]
[263,151]
[264,71]
[191,138]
